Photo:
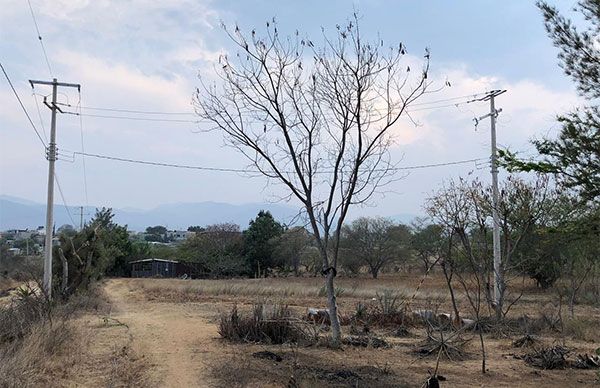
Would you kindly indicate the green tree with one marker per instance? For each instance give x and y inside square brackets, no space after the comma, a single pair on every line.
[290,247]
[156,234]
[86,256]
[258,243]
[376,242]
[574,156]
[427,242]
[217,251]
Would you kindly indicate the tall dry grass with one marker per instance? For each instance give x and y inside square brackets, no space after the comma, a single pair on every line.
[176,290]
[39,343]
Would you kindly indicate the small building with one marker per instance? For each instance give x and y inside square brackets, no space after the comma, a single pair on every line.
[179,235]
[149,268]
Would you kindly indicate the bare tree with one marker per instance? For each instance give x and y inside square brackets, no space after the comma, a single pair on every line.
[318,120]
[522,205]
[453,208]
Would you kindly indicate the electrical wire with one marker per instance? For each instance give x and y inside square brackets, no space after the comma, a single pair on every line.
[40,115]
[133,118]
[62,196]
[454,105]
[85,187]
[129,110]
[471,98]
[22,106]
[205,121]
[238,170]
[39,35]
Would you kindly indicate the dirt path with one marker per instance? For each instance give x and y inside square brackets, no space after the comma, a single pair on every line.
[178,338]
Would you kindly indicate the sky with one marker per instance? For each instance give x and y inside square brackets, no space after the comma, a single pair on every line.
[147,55]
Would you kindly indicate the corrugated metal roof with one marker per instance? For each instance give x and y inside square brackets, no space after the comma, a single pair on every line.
[147,260]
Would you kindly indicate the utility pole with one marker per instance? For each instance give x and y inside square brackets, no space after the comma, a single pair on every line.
[498,268]
[51,156]
[80,218]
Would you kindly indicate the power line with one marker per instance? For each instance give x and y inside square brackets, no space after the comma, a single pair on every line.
[62,196]
[238,170]
[39,35]
[456,104]
[22,106]
[133,118]
[471,98]
[85,188]
[152,163]
[148,112]
[40,115]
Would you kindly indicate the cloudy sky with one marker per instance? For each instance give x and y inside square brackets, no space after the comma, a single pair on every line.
[146,55]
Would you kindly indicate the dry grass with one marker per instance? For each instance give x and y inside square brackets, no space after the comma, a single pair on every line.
[128,369]
[175,290]
[581,328]
[6,285]
[271,324]
[233,365]
[39,341]
[42,357]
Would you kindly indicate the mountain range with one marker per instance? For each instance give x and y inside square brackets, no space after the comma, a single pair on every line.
[18,213]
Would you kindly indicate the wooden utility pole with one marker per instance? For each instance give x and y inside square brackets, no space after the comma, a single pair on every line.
[51,156]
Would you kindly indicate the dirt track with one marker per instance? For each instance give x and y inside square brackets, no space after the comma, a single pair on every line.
[178,339]
[180,347]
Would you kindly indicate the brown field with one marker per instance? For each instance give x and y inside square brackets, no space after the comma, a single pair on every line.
[164,332]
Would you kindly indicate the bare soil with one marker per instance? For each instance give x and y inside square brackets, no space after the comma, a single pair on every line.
[173,342]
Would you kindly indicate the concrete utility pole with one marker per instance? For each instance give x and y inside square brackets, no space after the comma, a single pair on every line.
[80,218]
[51,156]
[498,268]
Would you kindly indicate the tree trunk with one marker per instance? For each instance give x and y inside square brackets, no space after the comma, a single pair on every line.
[296,266]
[65,271]
[483,357]
[374,272]
[451,290]
[336,330]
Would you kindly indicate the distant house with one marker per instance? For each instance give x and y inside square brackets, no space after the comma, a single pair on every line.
[148,268]
[14,251]
[179,235]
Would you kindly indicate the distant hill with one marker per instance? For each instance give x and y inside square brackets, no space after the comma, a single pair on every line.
[16,213]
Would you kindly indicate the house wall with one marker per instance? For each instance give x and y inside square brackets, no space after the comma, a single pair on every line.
[153,269]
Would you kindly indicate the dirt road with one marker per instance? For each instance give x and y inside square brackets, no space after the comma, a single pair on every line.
[178,338]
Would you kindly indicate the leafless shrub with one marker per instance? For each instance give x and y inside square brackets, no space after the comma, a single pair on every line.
[388,311]
[525,341]
[402,332]
[266,324]
[451,346]
[553,357]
